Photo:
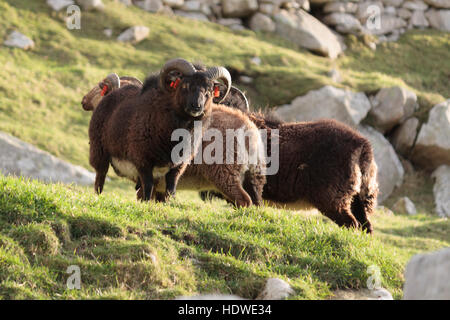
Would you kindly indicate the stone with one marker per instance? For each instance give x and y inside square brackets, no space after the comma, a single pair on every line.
[392,106]
[390,10]
[320,1]
[384,210]
[19,158]
[91,4]
[439,19]
[368,9]
[418,19]
[268,8]
[304,4]
[444,4]
[256,61]
[388,24]
[239,8]
[441,190]
[344,22]
[275,289]
[415,5]
[404,13]
[191,15]
[344,7]
[327,103]
[19,40]
[57,5]
[151,5]
[126,2]
[245,79]
[108,32]
[404,136]
[390,169]
[362,294]
[237,27]
[191,6]
[134,34]
[229,21]
[404,205]
[393,3]
[427,276]
[174,3]
[308,32]
[432,147]
[261,22]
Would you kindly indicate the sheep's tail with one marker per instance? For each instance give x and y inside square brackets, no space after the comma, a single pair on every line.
[369,181]
[364,201]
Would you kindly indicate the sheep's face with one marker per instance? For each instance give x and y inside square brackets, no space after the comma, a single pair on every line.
[194,95]
[92,99]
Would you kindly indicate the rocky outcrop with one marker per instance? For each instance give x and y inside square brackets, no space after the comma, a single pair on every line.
[134,34]
[328,102]
[19,40]
[427,276]
[58,5]
[308,32]
[432,147]
[441,190]
[392,106]
[439,19]
[387,19]
[404,205]
[404,136]
[390,169]
[275,289]
[91,4]
[22,159]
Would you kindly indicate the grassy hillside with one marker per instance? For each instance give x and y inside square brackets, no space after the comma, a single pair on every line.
[127,249]
[41,90]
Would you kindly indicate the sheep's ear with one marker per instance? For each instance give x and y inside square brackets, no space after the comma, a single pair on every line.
[104,87]
[173,80]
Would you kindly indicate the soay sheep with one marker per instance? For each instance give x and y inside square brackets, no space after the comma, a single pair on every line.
[132,130]
[239,183]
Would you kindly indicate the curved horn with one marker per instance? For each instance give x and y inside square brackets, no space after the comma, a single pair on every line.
[184,66]
[113,81]
[243,97]
[131,80]
[222,73]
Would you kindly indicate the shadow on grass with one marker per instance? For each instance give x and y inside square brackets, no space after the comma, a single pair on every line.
[433,230]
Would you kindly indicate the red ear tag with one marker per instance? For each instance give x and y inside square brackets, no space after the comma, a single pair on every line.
[216,92]
[174,84]
[105,88]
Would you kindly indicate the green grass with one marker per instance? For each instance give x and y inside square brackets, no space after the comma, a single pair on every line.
[41,90]
[199,248]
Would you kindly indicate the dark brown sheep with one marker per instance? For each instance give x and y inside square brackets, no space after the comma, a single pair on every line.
[240,184]
[132,130]
[324,164]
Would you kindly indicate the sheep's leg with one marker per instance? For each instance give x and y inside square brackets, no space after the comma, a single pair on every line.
[146,178]
[172,180]
[230,186]
[139,192]
[340,213]
[361,209]
[253,185]
[100,162]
